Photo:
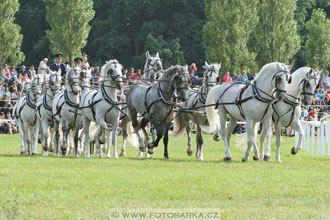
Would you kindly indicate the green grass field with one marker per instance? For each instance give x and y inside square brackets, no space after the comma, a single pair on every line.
[70,188]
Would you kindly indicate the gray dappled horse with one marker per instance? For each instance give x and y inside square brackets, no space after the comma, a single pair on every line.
[153,104]
[192,110]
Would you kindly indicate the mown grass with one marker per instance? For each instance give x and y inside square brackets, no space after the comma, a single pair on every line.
[70,188]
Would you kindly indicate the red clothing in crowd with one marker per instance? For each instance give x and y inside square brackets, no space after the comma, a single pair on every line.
[226,78]
[7,73]
[192,70]
[131,76]
[312,114]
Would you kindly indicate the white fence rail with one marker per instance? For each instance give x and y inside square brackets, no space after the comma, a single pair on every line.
[317,136]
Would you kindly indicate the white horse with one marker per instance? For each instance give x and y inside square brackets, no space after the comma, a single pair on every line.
[250,102]
[102,106]
[192,110]
[65,110]
[153,68]
[20,102]
[26,115]
[287,112]
[45,113]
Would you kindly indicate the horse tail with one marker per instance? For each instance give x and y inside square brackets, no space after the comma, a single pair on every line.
[211,113]
[131,136]
[179,125]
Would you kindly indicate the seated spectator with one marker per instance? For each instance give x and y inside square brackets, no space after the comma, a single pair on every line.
[131,76]
[7,127]
[312,115]
[7,105]
[315,101]
[139,75]
[226,77]
[321,96]
[85,64]
[243,78]
[14,95]
[22,71]
[31,72]
[96,75]
[6,91]
[1,85]
[13,73]
[328,98]
[6,74]
[236,77]
[253,76]
[304,113]
[326,86]
[193,73]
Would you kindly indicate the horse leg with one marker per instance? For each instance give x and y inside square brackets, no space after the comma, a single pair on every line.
[278,142]
[229,130]
[26,138]
[189,144]
[262,140]
[155,143]
[66,132]
[222,117]
[135,125]
[86,123]
[114,137]
[107,144]
[44,137]
[124,127]
[165,140]
[298,128]
[76,140]
[199,140]
[144,123]
[21,134]
[57,137]
[250,136]
[267,124]
[35,139]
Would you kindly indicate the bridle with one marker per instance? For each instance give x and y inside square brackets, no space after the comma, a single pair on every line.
[73,80]
[305,82]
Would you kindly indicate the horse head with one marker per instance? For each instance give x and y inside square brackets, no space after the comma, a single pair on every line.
[154,65]
[73,81]
[112,72]
[211,74]
[182,81]
[308,84]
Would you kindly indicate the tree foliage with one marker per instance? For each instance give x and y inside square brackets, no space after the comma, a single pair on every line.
[10,37]
[69,25]
[227,31]
[317,49]
[275,37]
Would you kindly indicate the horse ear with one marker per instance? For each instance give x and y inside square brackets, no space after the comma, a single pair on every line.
[289,67]
[157,55]
[219,66]
[147,55]
[206,65]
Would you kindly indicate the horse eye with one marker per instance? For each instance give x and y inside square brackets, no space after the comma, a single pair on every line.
[279,79]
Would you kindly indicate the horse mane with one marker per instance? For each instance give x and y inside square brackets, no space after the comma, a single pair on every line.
[107,65]
[275,65]
[169,71]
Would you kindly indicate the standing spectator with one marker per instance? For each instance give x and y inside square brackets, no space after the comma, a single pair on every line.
[96,75]
[22,71]
[236,77]
[59,65]
[31,72]
[312,115]
[304,113]
[6,74]
[131,76]
[325,78]
[243,78]
[43,68]
[226,77]
[85,64]
[139,75]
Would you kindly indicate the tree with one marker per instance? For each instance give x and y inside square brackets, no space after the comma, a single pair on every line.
[226,33]
[35,44]
[275,37]
[68,20]
[317,50]
[170,52]
[120,29]
[10,37]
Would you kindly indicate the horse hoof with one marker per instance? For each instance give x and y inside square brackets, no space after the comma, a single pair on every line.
[216,137]
[227,158]
[122,154]
[108,156]
[200,158]
[292,151]
[150,150]
[189,153]
[167,158]
[244,160]
[22,152]
[33,154]
[266,158]
[255,158]
[63,153]
[143,149]
[147,155]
